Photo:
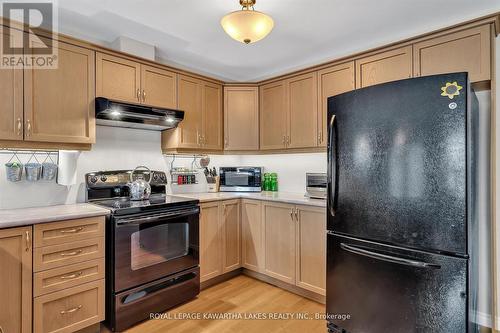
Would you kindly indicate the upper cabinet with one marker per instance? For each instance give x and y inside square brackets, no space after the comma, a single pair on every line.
[59,103]
[159,87]
[332,81]
[463,51]
[129,81]
[201,128]
[302,115]
[392,65]
[212,116]
[11,104]
[273,131]
[118,78]
[241,118]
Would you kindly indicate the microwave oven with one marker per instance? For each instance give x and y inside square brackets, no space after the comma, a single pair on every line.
[240,179]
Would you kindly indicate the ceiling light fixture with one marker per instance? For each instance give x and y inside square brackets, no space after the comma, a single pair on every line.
[247,25]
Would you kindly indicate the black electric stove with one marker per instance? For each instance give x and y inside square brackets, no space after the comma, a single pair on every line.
[152,247]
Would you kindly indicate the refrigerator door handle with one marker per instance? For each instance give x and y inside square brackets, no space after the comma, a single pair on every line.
[332,167]
[388,258]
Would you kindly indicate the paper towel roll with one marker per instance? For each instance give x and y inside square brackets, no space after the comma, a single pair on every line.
[68,161]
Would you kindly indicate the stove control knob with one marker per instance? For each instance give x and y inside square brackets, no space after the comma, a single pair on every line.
[163,177]
[103,179]
[155,177]
[93,179]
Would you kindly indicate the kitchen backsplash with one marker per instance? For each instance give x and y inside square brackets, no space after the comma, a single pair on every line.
[119,148]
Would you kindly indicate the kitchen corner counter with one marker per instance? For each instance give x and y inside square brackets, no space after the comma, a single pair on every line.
[27,216]
[284,197]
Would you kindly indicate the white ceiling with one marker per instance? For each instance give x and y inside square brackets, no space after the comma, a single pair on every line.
[187,33]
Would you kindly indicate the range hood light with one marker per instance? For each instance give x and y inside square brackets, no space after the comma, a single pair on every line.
[115,113]
[170,120]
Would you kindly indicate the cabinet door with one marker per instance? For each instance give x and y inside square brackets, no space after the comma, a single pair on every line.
[118,78]
[159,87]
[463,51]
[311,249]
[59,103]
[15,280]
[273,116]
[189,99]
[384,67]
[241,118]
[212,116]
[302,106]
[252,250]
[279,242]
[210,241]
[231,235]
[332,81]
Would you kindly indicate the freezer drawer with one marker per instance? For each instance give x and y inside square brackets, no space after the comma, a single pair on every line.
[387,289]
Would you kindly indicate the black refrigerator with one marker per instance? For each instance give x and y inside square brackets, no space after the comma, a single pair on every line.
[401,254]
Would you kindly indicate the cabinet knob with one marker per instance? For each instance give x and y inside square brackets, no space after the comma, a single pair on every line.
[19,129]
[28,127]
[28,243]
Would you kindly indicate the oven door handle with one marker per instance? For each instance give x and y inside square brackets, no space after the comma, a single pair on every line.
[156,217]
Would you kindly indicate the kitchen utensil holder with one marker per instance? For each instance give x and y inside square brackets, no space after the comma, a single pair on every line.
[49,169]
[33,170]
[14,171]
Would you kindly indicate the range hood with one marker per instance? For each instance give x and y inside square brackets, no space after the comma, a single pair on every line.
[119,114]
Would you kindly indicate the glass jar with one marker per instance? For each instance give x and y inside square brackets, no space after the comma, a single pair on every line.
[274,182]
[266,185]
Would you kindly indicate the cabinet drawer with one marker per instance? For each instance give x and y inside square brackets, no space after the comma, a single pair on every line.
[68,276]
[65,254]
[68,231]
[69,310]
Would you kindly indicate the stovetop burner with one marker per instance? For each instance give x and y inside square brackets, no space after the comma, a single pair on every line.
[109,189]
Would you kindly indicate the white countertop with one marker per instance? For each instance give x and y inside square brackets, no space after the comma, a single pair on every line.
[291,198]
[27,216]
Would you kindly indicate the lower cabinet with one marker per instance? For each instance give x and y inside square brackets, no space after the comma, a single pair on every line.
[15,280]
[252,235]
[279,241]
[295,245]
[220,238]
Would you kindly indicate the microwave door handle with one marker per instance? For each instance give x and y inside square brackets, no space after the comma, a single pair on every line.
[388,258]
[148,219]
[332,166]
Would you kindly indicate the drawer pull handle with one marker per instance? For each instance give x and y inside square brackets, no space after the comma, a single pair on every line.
[72,231]
[71,276]
[63,312]
[1,329]
[69,254]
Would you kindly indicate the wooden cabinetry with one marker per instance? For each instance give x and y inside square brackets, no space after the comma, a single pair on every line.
[220,238]
[118,78]
[129,81]
[231,235]
[15,280]
[211,136]
[241,118]
[252,250]
[391,65]
[302,115]
[201,128]
[69,275]
[210,241]
[311,248]
[159,87]
[273,129]
[463,51]
[332,81]
[279,241]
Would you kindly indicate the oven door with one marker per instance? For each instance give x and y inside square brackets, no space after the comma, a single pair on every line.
[153,246]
